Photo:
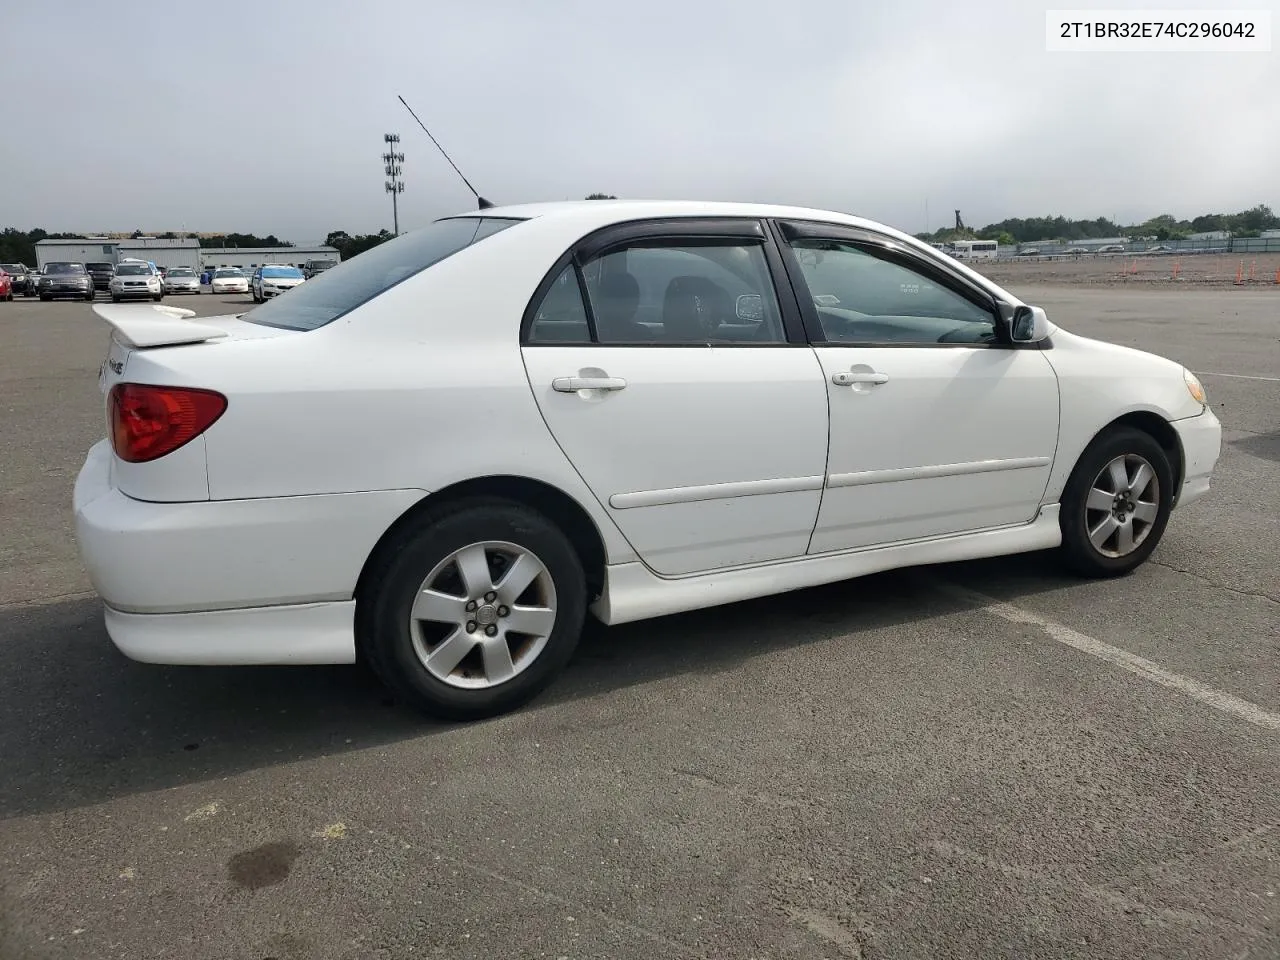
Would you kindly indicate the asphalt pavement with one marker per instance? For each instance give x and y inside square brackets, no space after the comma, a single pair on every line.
[988,760]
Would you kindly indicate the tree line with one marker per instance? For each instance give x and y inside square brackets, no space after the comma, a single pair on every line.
[1246,223]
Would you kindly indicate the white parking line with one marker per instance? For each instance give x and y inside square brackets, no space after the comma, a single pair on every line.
[1139,666]
[1235,376]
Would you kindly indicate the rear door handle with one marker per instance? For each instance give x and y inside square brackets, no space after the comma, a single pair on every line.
[574,384]
[847,379]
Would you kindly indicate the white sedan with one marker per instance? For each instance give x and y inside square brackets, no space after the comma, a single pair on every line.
[229,280]
[181,280]
[441,454]
[271,280]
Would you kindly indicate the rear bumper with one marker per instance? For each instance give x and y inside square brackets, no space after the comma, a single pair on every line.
[294,634]
[1201,439]
[163,562]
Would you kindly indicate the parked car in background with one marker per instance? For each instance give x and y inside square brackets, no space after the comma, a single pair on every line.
[181,280]
[271,280]
[135,280]
[6,284]
[63,278]
[21,279]
[102,274]
[229,280]
[1112,248]
[854,401]
[312,267]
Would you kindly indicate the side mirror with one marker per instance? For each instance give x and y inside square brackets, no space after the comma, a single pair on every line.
[1029,325]
[750,308]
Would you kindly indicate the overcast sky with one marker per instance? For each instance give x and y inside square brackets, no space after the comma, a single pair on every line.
[268,117]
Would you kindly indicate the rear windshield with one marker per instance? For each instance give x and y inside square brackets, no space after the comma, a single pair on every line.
[346,285]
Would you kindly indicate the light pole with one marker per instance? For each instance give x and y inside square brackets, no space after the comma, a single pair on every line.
[391,161]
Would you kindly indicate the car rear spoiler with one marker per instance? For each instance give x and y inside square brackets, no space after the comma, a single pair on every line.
[155,325]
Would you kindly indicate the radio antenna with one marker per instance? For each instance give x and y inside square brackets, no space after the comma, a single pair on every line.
[483,203]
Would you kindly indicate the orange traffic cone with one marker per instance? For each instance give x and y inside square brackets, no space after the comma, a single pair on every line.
[1240,273]
[1253,271]
[1177,268]
[1278,276]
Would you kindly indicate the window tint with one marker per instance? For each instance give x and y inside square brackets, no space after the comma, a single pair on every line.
[347,285]
[684,293]
[861,298]
[561,317]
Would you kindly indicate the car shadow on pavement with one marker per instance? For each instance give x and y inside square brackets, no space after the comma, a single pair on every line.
[81,724]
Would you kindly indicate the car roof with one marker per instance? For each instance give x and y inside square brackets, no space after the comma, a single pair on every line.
[621,210]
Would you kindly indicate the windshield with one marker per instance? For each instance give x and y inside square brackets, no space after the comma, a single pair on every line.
[63,268]
[227,273]
[292,273]
[132,270]
[347,285]
[13,268]
[182,272]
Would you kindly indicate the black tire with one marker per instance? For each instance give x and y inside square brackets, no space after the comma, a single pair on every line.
[398,570]
[90,296]
[1078,551]
[45,298]
[114,298]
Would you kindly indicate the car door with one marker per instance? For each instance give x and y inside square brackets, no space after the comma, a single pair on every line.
[679,385]
[940,425]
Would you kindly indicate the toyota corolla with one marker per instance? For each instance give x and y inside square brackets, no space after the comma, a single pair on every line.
[442,454]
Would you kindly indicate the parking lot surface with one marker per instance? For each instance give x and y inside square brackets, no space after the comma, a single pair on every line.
[988,760]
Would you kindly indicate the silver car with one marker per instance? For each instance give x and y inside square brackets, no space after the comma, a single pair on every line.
[181,280]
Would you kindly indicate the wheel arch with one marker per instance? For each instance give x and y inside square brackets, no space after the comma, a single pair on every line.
[559,507]
[1160,430]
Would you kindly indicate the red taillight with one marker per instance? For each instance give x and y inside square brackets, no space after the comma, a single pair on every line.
[148,422]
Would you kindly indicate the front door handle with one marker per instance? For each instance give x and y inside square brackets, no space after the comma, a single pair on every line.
[574,384]
[846,379]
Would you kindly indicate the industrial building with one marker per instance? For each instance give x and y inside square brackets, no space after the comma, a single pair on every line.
[246,258]
[183,252]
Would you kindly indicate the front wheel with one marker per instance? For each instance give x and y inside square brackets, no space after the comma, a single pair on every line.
[474,610]
[1116,504]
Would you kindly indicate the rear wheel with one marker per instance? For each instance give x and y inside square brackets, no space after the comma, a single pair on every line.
[474,610]
[45,298]
[1116,504]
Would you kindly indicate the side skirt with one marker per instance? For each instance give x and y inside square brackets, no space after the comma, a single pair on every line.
[634,592]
